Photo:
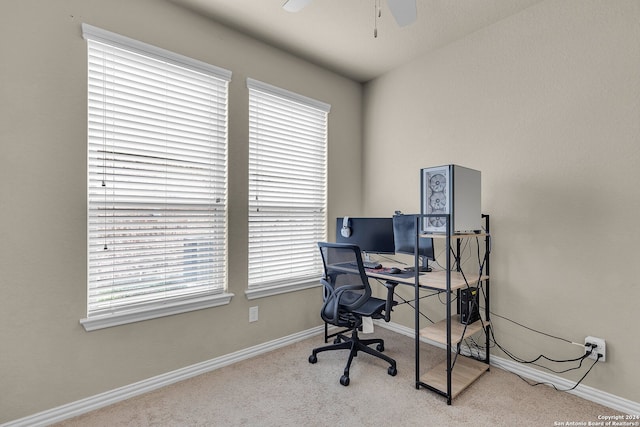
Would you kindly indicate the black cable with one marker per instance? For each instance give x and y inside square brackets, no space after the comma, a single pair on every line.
[481,265]
[475,346]
[421,313]
[531,329]
[478,348]
[541,356]
[568,389]
[464,331]
[533,361]
[409,302]
[389,258]
[521,360]
[518,359]
[444,302]
[439,255]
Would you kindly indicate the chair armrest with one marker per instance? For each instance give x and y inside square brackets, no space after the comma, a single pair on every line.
[334,297]
[391,286]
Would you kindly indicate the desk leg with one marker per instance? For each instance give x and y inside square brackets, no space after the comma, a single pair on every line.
[417,327]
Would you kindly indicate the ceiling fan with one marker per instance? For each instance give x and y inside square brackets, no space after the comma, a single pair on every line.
[404,11]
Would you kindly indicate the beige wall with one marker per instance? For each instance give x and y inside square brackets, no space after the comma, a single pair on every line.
[547,105]
[46,357]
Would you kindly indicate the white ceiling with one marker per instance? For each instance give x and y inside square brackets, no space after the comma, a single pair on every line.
[339,34]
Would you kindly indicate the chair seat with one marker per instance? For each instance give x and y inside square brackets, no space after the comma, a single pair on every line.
[371,307]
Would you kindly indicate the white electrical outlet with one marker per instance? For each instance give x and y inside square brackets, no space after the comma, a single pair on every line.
[601,348]
[253,314]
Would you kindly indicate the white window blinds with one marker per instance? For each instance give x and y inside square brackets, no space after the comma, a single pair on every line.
[157,176]
[287,185]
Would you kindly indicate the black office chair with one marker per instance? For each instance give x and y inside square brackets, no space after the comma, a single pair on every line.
[347,299]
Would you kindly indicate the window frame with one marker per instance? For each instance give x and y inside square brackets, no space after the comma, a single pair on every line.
[211,295]
[294,100]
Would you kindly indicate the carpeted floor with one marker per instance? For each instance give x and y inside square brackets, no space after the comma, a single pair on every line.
[282,388]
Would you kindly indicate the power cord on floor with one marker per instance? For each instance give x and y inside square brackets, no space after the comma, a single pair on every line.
[567,389]
[542,356]
[458,262]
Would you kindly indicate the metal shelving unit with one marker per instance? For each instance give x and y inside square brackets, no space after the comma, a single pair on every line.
[458,371]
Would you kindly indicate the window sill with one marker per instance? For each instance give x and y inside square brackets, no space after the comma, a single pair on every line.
[161,310]
[281,289]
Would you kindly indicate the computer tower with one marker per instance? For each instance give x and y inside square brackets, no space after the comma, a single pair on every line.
[453,190]
[469,305]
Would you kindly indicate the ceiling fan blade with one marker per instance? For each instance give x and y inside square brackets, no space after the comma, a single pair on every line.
[295,5]
[404,11]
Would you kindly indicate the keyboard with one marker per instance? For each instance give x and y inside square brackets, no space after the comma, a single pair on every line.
[371,264]
[367,264]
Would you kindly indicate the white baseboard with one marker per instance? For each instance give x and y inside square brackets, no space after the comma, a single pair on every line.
[588,393]
[92,403]
[101,400]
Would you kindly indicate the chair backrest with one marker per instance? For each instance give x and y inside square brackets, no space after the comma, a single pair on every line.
[346,284]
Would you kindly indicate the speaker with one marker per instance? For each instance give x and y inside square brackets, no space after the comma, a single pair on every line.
[453,190]
[469,305]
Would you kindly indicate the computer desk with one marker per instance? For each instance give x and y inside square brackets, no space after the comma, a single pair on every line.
[435,280]
[449,333]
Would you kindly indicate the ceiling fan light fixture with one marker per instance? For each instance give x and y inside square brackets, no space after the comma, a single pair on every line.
[404,11]
[295,5]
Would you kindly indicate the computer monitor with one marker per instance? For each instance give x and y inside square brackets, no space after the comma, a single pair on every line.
[372,235]
[404,233]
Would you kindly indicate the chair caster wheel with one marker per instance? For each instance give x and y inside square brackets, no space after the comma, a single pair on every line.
[392,371]
[313,358]
[344,380]
[380,347]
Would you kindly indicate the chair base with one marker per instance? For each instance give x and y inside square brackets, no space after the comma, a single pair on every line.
[354,344]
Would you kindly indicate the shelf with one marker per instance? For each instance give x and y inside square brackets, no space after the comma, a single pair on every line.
[462,371]
[454,236]
[438,331]
[438,280]
[465,372]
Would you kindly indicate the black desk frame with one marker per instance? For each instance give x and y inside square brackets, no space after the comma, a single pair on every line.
[449,347]
[415,282]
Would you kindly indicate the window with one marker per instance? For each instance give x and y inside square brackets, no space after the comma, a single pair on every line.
[287,189]
[157,182]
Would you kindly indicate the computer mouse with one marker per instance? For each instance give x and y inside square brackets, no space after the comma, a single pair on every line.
[394,270]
